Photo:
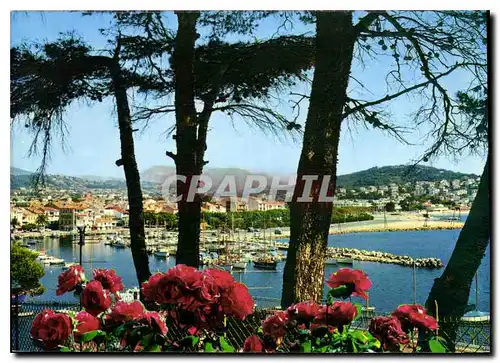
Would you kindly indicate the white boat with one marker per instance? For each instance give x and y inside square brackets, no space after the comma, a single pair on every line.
[331,261]
[56,261]
[43,257]
[241,265]
[162,252]
[344,261]
[119,244]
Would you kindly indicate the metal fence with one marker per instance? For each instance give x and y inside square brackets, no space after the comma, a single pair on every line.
[471,336]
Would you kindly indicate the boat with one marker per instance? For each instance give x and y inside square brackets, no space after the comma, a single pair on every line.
[240,265]
[331,261]
[56,261]
[265,265]
[119,244]
[43,257]
[345,261]
[162,252]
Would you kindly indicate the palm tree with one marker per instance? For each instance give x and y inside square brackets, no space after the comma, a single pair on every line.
[41,220]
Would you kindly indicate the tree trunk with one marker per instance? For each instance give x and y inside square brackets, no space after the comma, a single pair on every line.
[451,290]
[132,177]
[310,221]
[186,139]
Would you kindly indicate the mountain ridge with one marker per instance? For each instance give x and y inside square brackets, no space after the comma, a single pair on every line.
[156,175]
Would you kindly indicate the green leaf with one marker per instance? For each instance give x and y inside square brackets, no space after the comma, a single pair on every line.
[87,337]
[226,347]
[436,346]
[64,349]
[306,347]
[209,348]
[343,291]
[359,309]
[146,340]
[154,348]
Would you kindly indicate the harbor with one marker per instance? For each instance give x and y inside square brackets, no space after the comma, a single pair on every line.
[392,273]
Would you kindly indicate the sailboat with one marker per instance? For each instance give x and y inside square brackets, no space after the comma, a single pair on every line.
[265,262]
[476,315]
[241,264]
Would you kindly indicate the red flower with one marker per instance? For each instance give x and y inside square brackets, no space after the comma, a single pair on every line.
[388,331]
[237,301]
[126,311]
[303,312]
[182,285]
[224,280]
[155,322]
[86,323]
[51,328]
[355,279]
[414,315]
[69,279]
[95,299]
[108,279]
[275,325]
[337,315]
[253,344]
[150,287]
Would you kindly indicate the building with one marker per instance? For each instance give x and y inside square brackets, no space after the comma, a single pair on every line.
[213,208]
[105,223]
[255,204]
[71,215]
[52,214]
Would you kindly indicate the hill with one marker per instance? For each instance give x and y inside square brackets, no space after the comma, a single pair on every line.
[158,174]
[398,174]
[22,178]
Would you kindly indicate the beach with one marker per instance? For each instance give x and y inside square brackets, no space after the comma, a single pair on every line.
[404,221]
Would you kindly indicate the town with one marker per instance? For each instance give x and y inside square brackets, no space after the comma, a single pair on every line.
[105,210]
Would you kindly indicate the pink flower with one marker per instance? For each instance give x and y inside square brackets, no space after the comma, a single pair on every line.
[237,301]
[253,344]
[126,311]
[224,280]
[414,315]
[86,323]
[95,299]
[69,279]
[53,329]
[355,279]
[338,314]
[155,322]
[303,312]
[275,325]
[108,279]
[388,331]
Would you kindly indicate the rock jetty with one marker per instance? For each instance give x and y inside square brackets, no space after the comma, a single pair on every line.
[383,257]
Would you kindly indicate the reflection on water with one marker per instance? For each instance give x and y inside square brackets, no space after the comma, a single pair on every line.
[392,284]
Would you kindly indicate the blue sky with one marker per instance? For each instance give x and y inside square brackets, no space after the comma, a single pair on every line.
[93,137]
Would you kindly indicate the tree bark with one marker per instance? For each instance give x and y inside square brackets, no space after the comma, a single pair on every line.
[132,178]
[310,221]
[186,138]
[451,290]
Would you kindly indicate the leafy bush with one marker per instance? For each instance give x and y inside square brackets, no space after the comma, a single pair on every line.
[25,272]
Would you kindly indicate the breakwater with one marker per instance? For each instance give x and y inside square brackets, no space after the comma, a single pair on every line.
[383,257]
[363,229]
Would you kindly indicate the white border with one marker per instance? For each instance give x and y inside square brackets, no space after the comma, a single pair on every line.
[189,5]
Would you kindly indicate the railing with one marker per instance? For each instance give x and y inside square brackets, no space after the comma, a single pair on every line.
[471,336]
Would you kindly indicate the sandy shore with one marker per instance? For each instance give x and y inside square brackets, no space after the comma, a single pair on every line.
[401,222]
[410,225]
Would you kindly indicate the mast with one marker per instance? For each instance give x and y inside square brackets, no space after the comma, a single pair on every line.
[477,293]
